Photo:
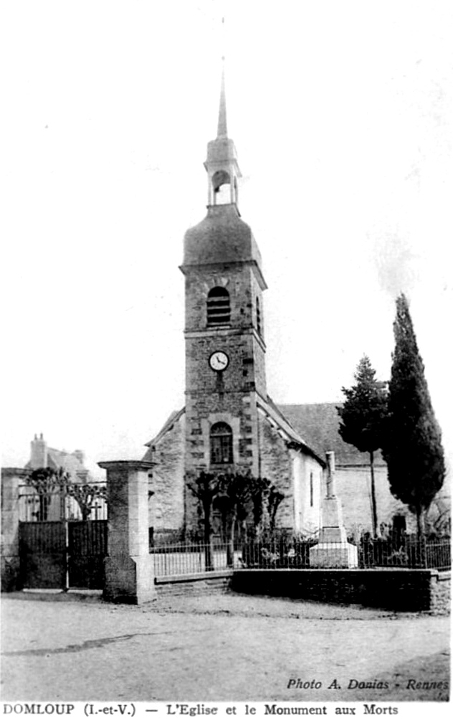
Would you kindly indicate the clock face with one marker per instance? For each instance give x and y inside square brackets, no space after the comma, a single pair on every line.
[219,361]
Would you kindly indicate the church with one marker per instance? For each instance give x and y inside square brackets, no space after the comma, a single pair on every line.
[229,423]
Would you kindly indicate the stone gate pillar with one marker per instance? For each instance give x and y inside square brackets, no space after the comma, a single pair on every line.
[10,561]
[129,567]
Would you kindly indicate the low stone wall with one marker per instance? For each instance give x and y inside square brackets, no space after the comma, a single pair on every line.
[193,585]
[441,592]
[392,589]
[401,590]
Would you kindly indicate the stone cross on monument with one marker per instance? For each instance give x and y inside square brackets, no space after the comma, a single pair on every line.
[333,549]
[330,482]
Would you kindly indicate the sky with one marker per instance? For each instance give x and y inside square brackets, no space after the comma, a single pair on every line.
[341,113]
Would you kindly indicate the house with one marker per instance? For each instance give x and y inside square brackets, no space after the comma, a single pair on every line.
[52,504]
[43,456]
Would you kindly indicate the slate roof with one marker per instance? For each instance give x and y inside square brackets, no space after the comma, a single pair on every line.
[318,424]
[58,458]
[222,237]
[275,415]
[174,417]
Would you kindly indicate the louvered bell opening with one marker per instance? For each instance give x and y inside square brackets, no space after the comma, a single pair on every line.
[218,306]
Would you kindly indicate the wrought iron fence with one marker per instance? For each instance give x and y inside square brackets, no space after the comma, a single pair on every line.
[438,554]
[186,558]
[406,552]
[72,502]
[276,554]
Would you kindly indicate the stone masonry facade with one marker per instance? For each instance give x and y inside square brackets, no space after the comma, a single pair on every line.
[166,485]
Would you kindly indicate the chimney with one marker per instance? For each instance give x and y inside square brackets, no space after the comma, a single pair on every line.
[38,456]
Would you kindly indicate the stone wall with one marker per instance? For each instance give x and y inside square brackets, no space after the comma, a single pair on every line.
[441,592]
[240,339]
[11,478]
[227,396]
[166,504]
[418,590]
[353,487]
[193,586]
[173,506]
[396,590]
[289,470]
[276,467]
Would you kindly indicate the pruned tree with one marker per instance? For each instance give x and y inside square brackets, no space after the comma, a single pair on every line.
[205,487]
[47,482]
[233,502]
[244,494]
[412,444]
[86,496]
[235,495]
[363,416]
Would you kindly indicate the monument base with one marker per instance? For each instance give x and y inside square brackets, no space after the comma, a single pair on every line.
[334,555]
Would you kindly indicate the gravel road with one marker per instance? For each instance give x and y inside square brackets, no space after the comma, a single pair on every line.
[219,648]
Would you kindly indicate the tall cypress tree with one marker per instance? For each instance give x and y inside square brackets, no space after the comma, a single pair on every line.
[412,445]
[362,419]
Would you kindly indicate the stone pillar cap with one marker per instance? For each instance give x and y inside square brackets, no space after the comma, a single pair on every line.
[127,464]
[15,472]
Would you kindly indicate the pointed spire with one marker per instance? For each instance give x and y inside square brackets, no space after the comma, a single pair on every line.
[222,124]
[221,163]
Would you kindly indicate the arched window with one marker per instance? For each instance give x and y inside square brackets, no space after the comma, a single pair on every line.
[258,315]
[218,306]
[221,443]
[221,187]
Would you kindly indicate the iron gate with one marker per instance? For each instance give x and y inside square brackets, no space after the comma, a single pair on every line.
[42,549]
[58,548]
[63,555]
[87,547]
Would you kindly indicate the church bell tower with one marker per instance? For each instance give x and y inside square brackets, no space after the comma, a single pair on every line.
[224,327]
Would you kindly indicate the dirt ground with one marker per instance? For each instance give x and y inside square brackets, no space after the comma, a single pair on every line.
[219,648]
